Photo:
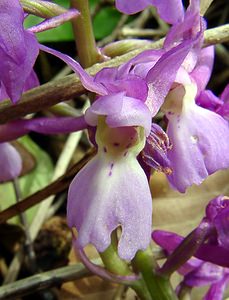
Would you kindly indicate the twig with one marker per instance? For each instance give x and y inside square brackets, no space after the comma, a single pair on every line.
[42,281]
[55,187]
[67,87]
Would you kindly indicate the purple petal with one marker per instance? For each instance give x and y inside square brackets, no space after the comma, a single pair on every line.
[225,94]
[140,64]
[18,49]
[87,81]
[120,111]
[171,11]
[224,109]
[13,130]
[213,253]
[169,241]
[163,74]
[202,71]
[205,274]
[216,290]
[186,28]
[10,162]
[55,125]
[110,198]
[208,100]
[200,139]
[116,80]
[132,6]
[215,207]
[221,223]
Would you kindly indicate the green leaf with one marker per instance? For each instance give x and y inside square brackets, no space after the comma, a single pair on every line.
[105,22]
[38,178]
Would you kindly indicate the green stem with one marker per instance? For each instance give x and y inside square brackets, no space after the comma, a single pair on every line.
[84,36]
[116,265]
[159,287]
[112,261]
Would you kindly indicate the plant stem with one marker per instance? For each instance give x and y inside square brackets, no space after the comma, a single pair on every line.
[116,265]
[159,287]
[84,36]
[112,261]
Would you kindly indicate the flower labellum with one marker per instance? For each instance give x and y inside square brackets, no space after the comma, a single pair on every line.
[112,189]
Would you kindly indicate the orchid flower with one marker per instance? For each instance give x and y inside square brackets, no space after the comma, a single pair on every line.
[211,265]
[199,137]
[196,272]
[19,49]
[118,193]
[211,235]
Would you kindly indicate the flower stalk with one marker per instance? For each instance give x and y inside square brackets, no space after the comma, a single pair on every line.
[158,286]
[84,36]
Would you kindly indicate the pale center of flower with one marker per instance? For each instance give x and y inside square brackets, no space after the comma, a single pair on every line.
[179,98]
[119,141]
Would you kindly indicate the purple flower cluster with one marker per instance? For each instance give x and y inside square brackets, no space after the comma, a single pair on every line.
[211,266]
[112,190]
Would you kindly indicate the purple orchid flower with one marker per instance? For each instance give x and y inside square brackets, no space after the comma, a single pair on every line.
[171,11]
[122,117]
[195,134]
[210,238]
[196,272]
[10,162]
[19,49]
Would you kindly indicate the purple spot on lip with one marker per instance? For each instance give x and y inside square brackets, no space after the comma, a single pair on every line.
[111,167]
[116,144]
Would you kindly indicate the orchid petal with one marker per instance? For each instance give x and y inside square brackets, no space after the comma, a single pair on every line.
[10,162]
[200,138]
[213,253]
[216,290]
[110,201]
[203,69]
[18,49]
[208,100]
[118,193]
[120,111]
[171,11]
[15,129]
[206,273]
[169,241]
[87,81]
[162,75]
